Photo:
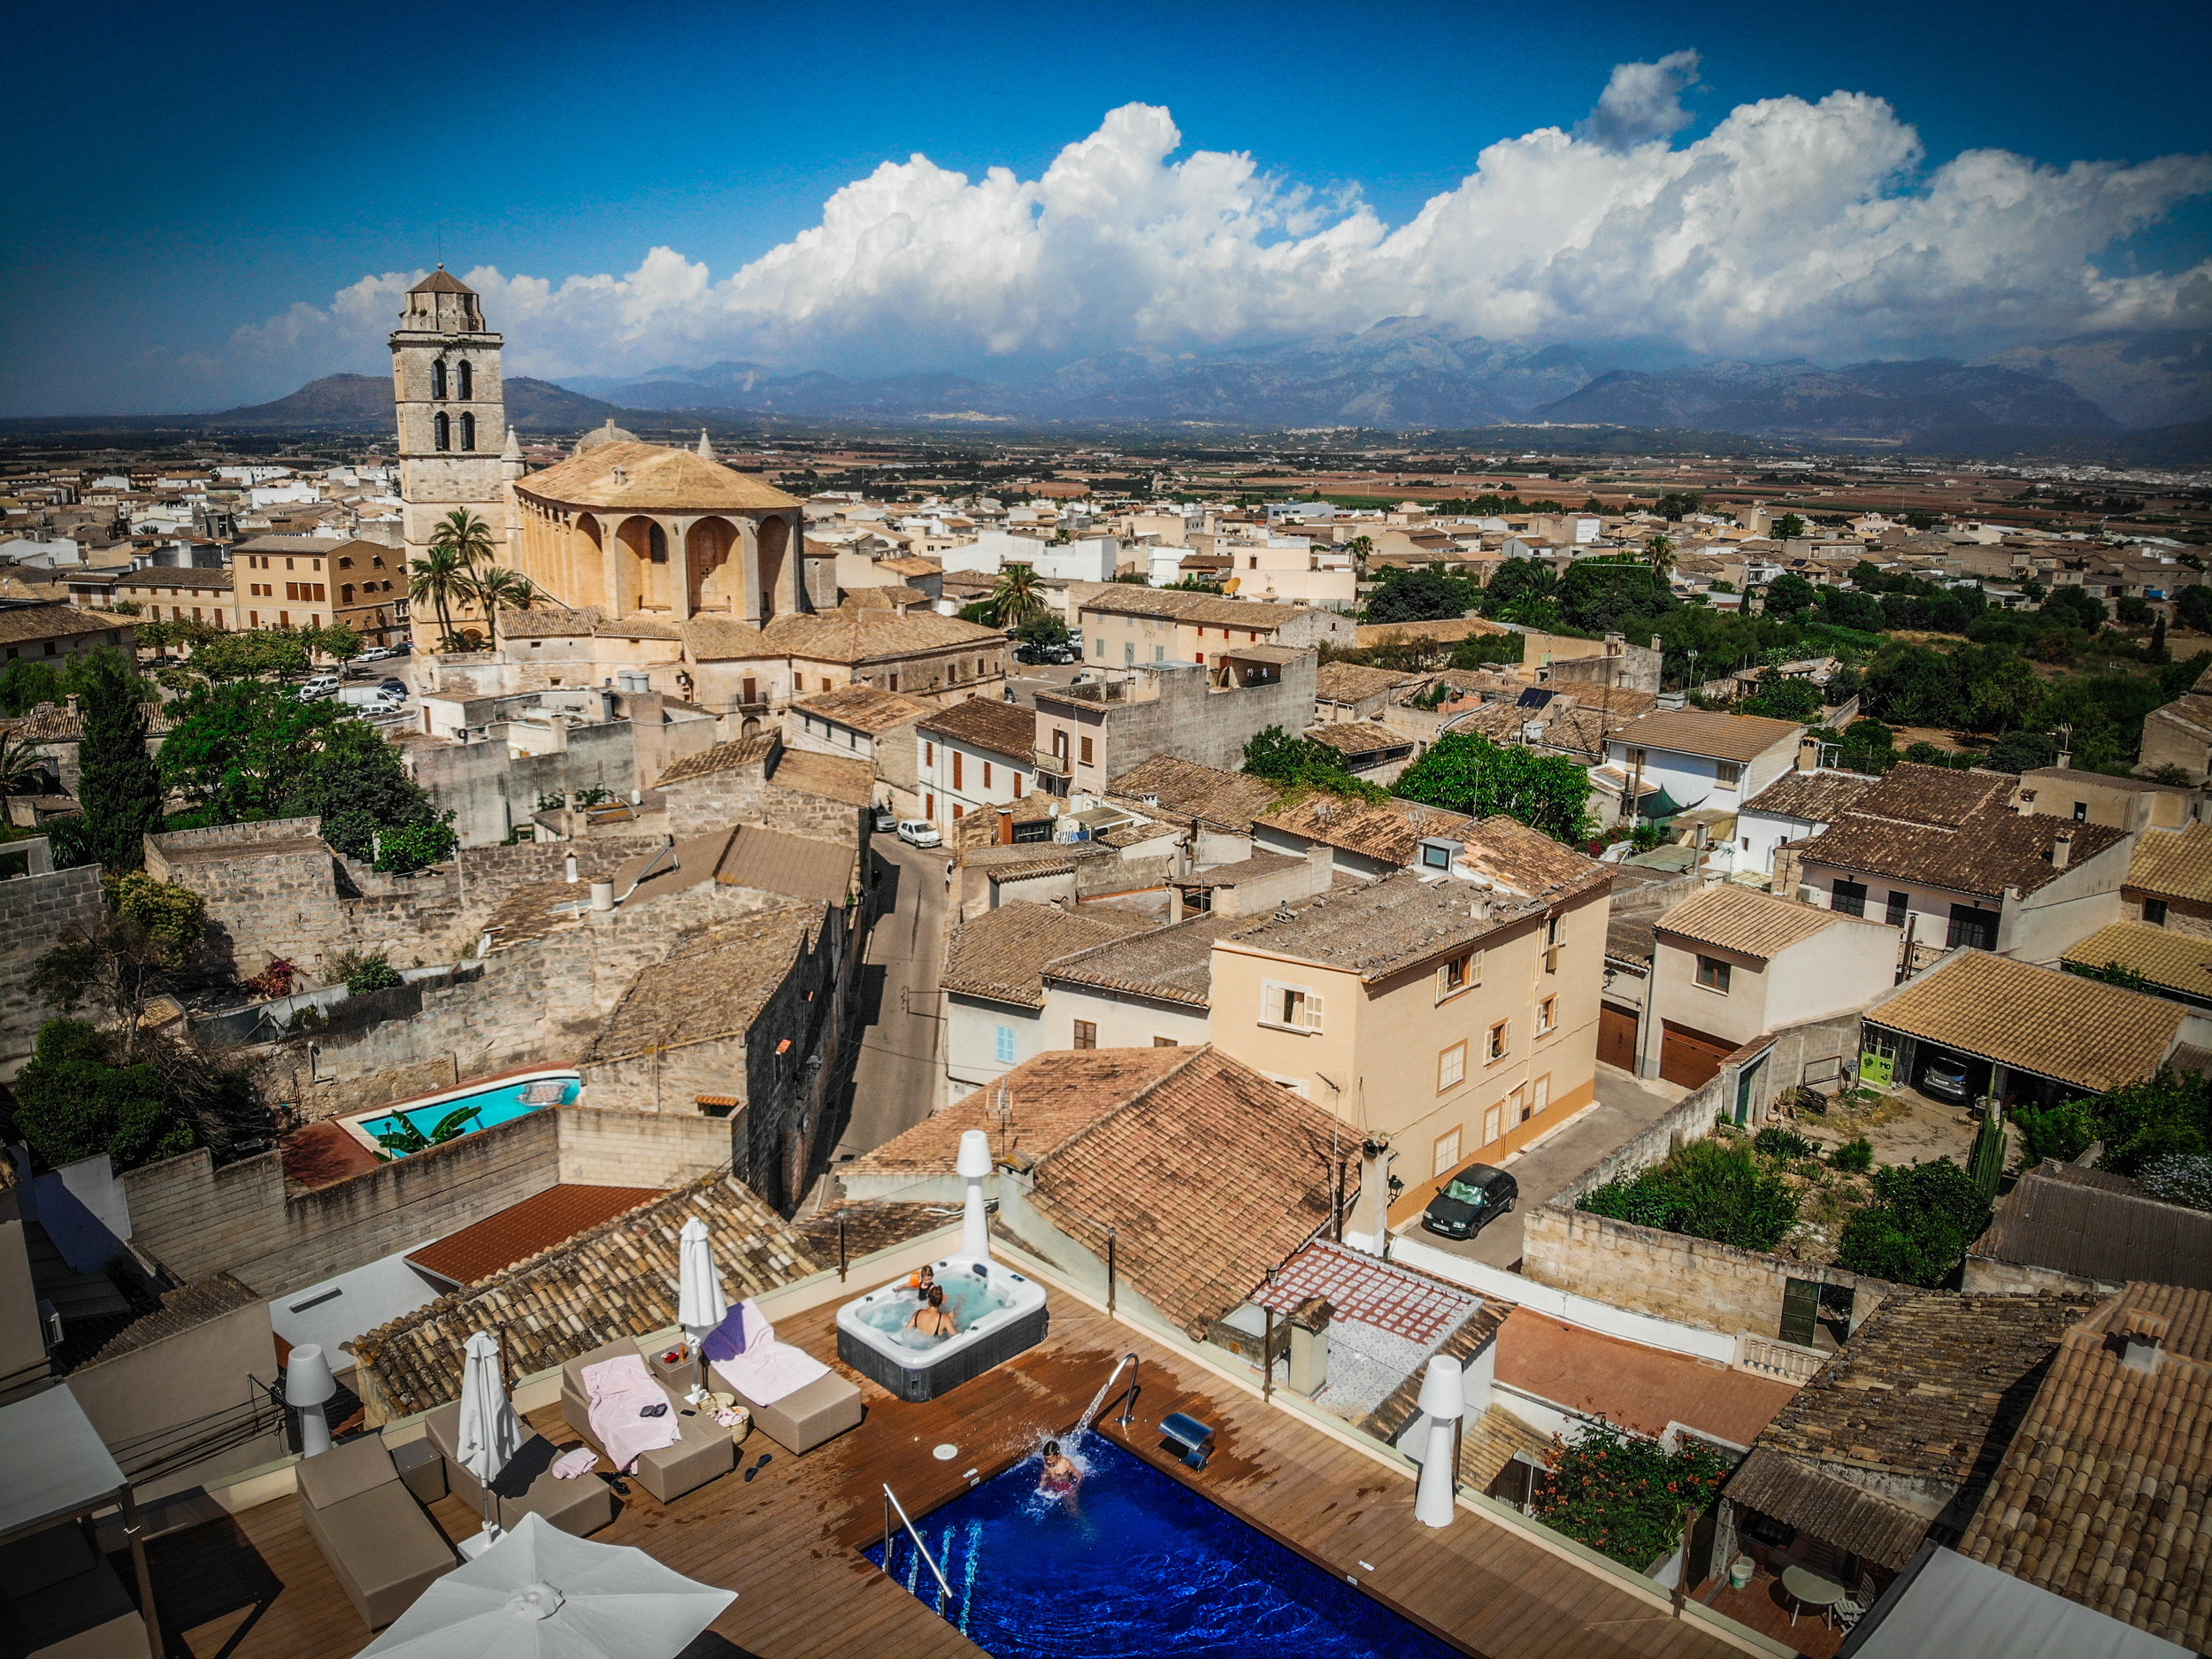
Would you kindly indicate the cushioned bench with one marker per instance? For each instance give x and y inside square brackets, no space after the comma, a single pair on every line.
[382,1546]
[579,1505]
[801,1420]
[704,1452]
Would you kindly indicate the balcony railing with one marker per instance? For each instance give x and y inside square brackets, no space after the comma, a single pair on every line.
[1048,761]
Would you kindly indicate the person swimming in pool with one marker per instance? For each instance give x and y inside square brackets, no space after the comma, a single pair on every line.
[1060,1476]
[933,1318]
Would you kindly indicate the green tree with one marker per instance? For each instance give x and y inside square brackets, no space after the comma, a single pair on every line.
[25,684]
[2192,609]
[1464,772]
[1918,1230]
[1015,597]
[446,574]
[495,589]
[2135,613]
[250,654]
[1421,595]
[1789,528]
[1299,762]
[74,1100]
[1659,553]
[1789,595]
[1601,595]
[116,780]
[1044,628]
[1779,699]
[1517,579]
[146,937]
[2074,606]
[1678,505]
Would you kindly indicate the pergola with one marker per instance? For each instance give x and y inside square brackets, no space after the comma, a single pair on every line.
[59,1469]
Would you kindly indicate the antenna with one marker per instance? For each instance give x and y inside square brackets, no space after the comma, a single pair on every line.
[1000,1106]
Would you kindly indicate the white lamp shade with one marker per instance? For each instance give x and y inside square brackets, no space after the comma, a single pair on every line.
[307,1379]
[1444,1388]
[975,1154]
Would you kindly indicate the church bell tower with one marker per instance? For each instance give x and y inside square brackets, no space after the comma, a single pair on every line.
[451,404]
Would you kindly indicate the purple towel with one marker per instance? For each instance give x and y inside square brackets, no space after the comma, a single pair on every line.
[726,1340]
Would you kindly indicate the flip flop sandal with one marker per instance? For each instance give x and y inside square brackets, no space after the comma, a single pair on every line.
[765,1459]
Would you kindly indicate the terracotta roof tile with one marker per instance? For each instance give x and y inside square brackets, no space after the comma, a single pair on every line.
[1738,737]
[1229,799]
[2169,960]
[2102,1493]
[644,477]
[1915,794]
[618,1279]
[1005,728]
[869,635]
[710,989]
[520,1231]
[2055,1024]
[1360,737]
[1388,832]
[1385,927]
[1167,965]
[1127,599]
[1354,682]
[1813,797]
[181,1308]
[864,708]
[1753,924]
[873,1225]
[1002,954]
[745,751]
[2174,865]
[833,776]
[1982,854]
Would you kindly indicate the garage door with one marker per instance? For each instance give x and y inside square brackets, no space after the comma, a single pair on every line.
[1617,1036]
[1690,1057]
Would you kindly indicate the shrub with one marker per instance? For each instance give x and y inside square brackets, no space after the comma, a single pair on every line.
[362,974]
[72,1101]
[1918,1229]
[1644,1200]
[1622,1494]
[2062,1131]
[2161,1116]
[275,980]
[414,846]
[2179,1177]
[1712,1189]
[1777,1140]
[1854,1158]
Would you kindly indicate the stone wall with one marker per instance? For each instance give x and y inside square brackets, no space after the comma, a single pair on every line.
[34,911]
[196,1219]
[745,794]
[489,789]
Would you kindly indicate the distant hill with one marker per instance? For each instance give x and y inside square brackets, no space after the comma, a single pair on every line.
[1931,401]
[355,402]
[2143,378]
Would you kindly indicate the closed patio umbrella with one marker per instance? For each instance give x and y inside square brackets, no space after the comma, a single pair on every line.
[699,1306]
[539,1593]
[488,1434]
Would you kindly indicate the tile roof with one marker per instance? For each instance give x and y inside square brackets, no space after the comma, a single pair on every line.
[1739,737]
[1509,852]
[1929,1388]
[647,476]
[1630,1384]
[1126,599]
[1447,630]
[834,777]
[1355,682]
[798,866]
[2103,780]
[520,1231]
[56,723]
[177,576]
[1002,954]
[2169,960]
[1385,927]
[1825,1505]
[618,1279]
[55,620]
[2102,1494]
[873,1224]
[1815,797]
[870,635]
[993,723]
[1209,1176]
[181,1310]
[745,751]
[1581,732]
[719,639]
[1167,965]
[1489,1442]
[1388,832]
[1359,737]
[1982,854]
[2055,1024]
[710,988]
[1371,1291]
[2092,1231]
[1753,924]
[1053,1096]
[1231,799]
[864,708]
[1915,794]
[1243,870]
[2174,864]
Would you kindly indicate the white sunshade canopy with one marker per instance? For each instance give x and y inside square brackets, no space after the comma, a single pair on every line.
[56,1464]
[539,1593]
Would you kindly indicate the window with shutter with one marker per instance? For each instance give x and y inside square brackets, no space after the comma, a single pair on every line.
[1451,1067]
[1085,1034]
[1006,1045]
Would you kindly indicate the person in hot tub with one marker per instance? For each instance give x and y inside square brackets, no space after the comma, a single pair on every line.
[921,1279]
[933,1318]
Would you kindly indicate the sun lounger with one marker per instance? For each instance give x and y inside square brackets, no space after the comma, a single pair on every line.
[57,1597]
[578,1507]
[382,1546]
[704,1452]
[797,1401]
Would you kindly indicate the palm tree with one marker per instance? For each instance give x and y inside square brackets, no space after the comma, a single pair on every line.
[1016,599]
[467,535]
[495,586]
[440,578]
[22,764]
[1659,553]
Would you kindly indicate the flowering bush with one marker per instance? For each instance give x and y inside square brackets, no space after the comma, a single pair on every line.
[1624,1494]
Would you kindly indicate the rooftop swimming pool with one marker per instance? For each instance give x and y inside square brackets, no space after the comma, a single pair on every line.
[1137,1565]
[485,1107]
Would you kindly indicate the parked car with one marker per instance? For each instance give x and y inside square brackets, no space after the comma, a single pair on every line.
[1945,1075]
[1470,1200]
[396,686]
[377,653]
[919,831]
[320,687]
[884,821]
[1048,654]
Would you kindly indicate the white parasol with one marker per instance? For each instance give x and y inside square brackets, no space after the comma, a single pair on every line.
[489,1433]
[539,1593]
[700,1305]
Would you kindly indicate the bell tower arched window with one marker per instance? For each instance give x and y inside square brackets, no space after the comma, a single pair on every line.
[437,380]
[441,431]
[468,382]
[468,422]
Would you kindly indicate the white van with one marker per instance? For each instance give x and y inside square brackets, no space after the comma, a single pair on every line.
[322,686]
[375,698]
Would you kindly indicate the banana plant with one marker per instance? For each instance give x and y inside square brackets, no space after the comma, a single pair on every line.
[406,1139]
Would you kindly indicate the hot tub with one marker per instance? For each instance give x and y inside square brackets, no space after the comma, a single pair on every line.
[1000,1313]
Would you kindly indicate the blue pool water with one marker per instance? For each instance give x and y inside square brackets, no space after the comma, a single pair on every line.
[494,1106]
[1141,1568]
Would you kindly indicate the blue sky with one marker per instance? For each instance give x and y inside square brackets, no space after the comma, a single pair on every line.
[184,173]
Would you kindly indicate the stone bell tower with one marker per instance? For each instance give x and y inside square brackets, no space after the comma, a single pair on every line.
[451,404]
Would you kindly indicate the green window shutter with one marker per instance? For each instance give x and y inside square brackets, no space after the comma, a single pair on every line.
[1801,1310]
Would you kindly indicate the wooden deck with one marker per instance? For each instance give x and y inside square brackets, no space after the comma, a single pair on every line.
[788,1541]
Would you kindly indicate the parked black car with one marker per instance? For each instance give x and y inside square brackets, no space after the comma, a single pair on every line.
[1470,1200]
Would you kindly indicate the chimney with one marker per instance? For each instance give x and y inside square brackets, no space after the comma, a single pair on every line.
[571,869]
[1809,753]
[1174,904]
[2062,849]
[2141,1336]
[1370,1218]
[2024,802]
[2065,760]
[73,705]
[603,896]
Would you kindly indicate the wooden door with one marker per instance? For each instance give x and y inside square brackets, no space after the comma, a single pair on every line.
[1617,1036]
[1690,1057]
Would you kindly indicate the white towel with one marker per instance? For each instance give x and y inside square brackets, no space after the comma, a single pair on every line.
[579,1460]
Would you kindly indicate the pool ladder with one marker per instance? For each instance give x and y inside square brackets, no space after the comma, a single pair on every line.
[1129,1400]
[891,1503]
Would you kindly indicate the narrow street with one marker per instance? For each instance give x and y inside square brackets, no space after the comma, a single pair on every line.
[900,1072]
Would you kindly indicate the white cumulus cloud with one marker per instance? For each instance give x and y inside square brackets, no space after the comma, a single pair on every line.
[1792,227]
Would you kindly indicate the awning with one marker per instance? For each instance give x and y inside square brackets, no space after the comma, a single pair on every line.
[1946,1603]
[1659,805]
[57,1465]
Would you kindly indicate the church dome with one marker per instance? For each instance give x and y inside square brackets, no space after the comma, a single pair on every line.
[608,433]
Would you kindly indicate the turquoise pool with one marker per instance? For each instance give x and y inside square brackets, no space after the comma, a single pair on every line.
[491,1106]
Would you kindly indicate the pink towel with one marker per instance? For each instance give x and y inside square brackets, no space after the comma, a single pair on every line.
[581,1460]
[618,1389]
[767,1369]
